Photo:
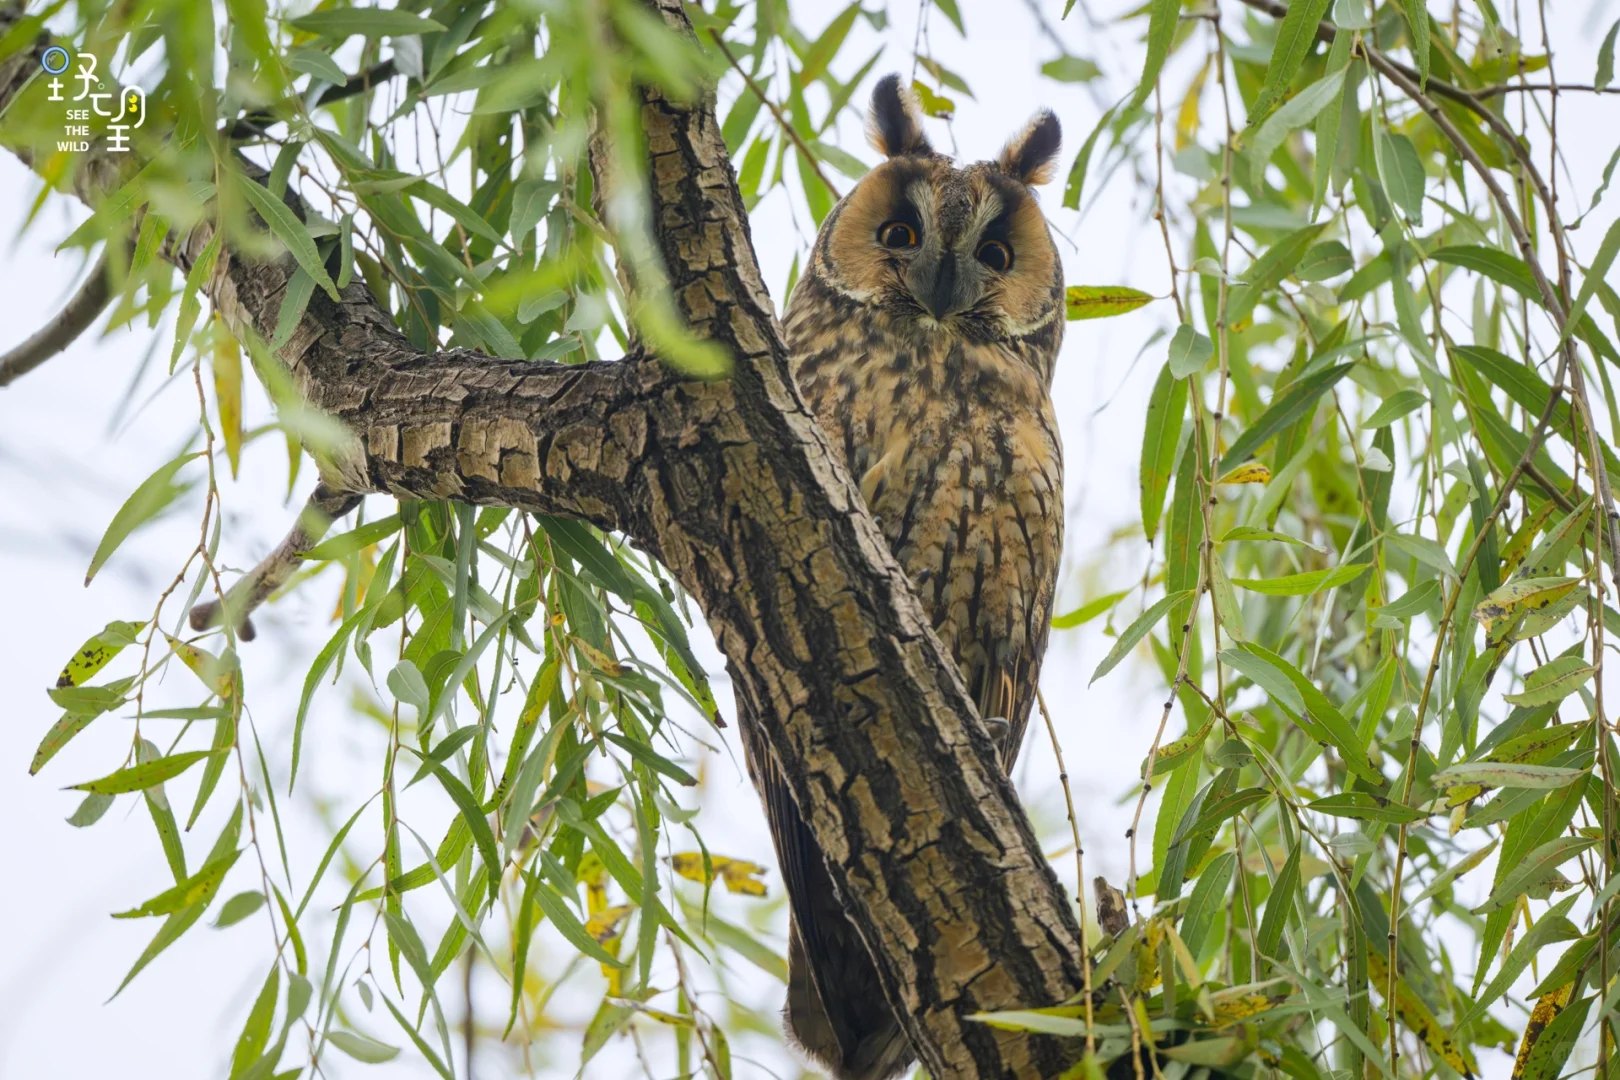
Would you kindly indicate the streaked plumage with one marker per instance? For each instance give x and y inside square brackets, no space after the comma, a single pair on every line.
[923,335]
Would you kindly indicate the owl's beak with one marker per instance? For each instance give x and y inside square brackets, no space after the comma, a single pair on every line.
[941,294]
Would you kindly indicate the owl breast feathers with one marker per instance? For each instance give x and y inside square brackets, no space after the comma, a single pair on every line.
[923,334]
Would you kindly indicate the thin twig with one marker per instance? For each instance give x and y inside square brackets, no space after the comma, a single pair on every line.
[1514,88]
[1079,867]
[782,121]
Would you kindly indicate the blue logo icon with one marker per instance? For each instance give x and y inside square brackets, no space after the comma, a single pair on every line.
[54,60]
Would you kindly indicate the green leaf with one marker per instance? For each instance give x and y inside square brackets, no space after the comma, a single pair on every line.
[473,815]
[1597,272]
[237,908]
[1495,264]
[1289,405]
[1551,556]
[354,540]
[1533,870]
[1299,111]
[1415,601]
[250,1045]
[1417,18]
[1550,929]
[294,302]
[288,229]
[317,671]
[1522,596]
[1507,775]
[1605,61]
[1553,1046]
[200,887]
[145,775]
[90,811]
[1304,584]
[1102,301]
[342,23]
[1162,18]
[1076,183]
[95,653]
[1332,725]
[1207,898]
[406,683]
[1189,351]
[1240,533]
[1071,69]
[1266,676]
[1170,755]
[1280,906]
[1397,405]
[1427,552]
[145,503]
[1269,269]
[62,732]
[317,63]
[1326,260]
[568,924]
[1295,37]
[177,924]
[1086,612]
[421,1045]
[826,46]
[1552,682]
[361,1048]
[1365,806]
[1136,631]
[1166,414]
[1401,171]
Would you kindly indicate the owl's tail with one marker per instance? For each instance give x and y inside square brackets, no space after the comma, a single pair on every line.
[859,1043]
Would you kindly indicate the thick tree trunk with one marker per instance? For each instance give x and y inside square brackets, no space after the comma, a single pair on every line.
[732,486]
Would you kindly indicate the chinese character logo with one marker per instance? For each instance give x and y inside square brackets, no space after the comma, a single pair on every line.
[91,102]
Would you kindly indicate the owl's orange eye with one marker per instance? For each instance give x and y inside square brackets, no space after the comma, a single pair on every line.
[896,235]
[996,255]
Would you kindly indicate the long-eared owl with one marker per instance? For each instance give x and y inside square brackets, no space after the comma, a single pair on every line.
[923,334]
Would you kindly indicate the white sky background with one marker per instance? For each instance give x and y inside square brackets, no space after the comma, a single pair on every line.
[65,467]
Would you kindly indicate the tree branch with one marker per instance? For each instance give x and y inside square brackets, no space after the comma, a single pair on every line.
[324,507]
[733,486]
[63,330]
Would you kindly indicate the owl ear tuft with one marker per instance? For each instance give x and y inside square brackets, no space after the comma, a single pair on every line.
[894,124]
[1030,156]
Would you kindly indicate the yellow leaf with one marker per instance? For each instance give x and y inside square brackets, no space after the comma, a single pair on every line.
[1545,1012]
[936,105]
[737,875]
[1518,598]
[1251,473]
[1418,1019]
[1187,117]
[1146,953]
[1101,301]
[228,391]
[600,660]
[218,674]
[604,925]
[1238,1004]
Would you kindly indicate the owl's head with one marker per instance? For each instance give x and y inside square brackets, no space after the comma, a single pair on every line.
[962,248]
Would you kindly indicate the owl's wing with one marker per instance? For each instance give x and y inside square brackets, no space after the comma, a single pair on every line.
[840,969]
[1007,684]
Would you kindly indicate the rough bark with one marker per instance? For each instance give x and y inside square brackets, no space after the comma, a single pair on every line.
[731,485]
